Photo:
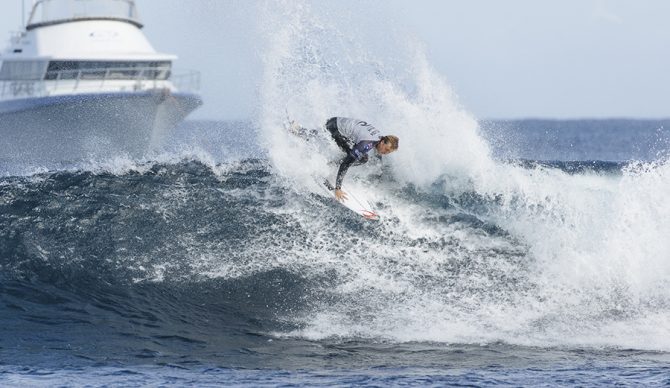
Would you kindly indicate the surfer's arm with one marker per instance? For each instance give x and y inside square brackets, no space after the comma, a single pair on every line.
[344,166]
[358,155]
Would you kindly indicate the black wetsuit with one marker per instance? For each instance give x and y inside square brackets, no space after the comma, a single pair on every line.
[356,138]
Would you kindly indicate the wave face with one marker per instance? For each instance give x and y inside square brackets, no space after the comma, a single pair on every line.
[210,260]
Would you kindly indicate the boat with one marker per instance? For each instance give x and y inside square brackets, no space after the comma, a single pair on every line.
[82,79]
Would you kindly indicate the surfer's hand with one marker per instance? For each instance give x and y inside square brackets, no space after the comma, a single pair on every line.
[340,195]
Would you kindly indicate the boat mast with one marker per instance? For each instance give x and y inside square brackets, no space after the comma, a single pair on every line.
[23,11]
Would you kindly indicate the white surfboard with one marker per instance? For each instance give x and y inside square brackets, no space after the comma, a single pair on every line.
[355,202]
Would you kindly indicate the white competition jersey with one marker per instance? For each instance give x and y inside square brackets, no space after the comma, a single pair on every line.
[357,130]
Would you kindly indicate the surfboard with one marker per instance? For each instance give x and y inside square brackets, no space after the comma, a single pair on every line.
[355,201]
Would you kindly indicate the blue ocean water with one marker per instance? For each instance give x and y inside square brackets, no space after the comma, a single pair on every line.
[204,265]
[569,140]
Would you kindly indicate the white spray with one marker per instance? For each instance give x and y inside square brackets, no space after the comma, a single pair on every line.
[583,259]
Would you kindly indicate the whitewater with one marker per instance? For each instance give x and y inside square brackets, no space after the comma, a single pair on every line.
[595,269]
[215,259]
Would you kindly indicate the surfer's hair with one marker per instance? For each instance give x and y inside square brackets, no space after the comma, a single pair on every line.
[392,140]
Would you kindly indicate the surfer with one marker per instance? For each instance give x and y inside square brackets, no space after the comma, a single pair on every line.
[357,138]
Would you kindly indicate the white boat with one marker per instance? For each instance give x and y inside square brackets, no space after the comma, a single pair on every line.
[82,79]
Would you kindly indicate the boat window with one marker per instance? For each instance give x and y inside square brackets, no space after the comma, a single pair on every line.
[115,70]
[22,70]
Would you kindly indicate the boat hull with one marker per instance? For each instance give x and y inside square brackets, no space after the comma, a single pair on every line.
[80,126]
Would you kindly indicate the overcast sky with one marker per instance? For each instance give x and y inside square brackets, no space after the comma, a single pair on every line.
[504,59]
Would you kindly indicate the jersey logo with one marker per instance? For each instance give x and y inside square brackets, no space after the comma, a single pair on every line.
[373,131]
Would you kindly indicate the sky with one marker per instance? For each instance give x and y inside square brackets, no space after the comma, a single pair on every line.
[504,59]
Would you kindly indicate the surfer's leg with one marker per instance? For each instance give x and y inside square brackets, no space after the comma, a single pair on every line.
[300,131]
[340,140]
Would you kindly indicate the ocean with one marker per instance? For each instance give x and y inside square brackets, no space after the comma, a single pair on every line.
[508,252]
[206,266]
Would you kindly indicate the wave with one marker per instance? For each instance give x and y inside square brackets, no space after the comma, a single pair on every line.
[580,260]
[193,248]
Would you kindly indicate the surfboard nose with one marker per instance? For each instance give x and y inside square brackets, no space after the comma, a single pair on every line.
[370,215]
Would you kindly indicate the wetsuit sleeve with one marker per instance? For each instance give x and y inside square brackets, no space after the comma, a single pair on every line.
[344,166]
[358,155]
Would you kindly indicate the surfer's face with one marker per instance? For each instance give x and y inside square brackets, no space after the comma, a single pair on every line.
[384,148]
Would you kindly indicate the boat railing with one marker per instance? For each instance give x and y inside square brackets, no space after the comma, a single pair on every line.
[15,36]
[116,79]
[186,81]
